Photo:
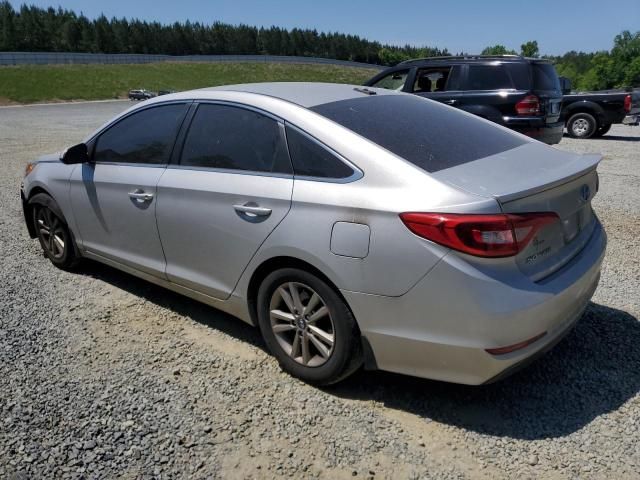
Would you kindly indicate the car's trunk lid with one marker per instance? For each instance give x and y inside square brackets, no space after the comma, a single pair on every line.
[537,178]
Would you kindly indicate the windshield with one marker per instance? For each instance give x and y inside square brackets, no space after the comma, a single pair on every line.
[429,135]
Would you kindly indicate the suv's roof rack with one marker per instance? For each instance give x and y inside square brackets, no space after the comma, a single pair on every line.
[460,57]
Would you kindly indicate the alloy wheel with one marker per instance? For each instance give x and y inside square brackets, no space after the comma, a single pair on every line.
[51,231]
[302,324]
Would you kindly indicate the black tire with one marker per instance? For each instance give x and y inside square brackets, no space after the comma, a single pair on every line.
[602,130]
[346,351]
[582,125]
[58,244]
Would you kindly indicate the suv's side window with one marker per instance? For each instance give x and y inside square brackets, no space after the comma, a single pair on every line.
[310,159]
[235,138]
[488,77]
[145,137]
[433,79]
[393,81]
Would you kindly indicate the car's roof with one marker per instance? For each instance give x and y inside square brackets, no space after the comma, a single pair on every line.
[466,59]
[305,94]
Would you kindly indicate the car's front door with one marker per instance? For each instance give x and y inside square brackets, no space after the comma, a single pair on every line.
[231,188]
[114,196]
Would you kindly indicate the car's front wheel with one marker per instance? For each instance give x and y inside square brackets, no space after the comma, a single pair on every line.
[308,327]
[53,232]
[582,125]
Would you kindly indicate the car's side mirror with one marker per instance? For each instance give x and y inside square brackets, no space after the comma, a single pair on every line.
[76,154]
[565,85]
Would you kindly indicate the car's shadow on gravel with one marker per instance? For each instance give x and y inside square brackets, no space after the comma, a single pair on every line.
[620,138]
[184,306]
[591,372]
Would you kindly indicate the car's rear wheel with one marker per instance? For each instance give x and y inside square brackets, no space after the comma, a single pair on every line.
[53,233]
[582,125]
[602,130]
[308,327]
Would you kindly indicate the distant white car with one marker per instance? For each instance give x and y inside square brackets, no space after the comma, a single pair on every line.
[353,225]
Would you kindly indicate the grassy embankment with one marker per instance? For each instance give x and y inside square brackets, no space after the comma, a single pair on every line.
[47,83]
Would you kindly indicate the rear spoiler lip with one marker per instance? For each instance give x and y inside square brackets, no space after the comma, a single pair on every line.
[593,158]
[530,169]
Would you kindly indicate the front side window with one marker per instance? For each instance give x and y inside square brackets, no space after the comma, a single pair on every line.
[488,77]
[144,137]
[310,159]
[234,138]
[393,81]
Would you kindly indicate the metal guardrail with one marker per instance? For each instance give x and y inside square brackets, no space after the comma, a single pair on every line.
[68,58]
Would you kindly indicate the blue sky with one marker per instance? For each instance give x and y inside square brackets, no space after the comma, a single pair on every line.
[557,25]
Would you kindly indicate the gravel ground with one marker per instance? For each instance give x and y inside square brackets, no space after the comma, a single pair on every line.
[104,375]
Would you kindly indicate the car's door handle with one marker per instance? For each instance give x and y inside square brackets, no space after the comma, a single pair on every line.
[141,195]
[252,210]
[450,102]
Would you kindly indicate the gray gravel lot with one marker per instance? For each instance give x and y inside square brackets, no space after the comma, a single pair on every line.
[103,375]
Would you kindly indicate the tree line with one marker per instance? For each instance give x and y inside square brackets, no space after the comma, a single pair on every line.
[616,68]
[58,30]
[32,28]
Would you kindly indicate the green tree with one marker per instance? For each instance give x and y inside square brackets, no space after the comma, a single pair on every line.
[497,50]
[530,49]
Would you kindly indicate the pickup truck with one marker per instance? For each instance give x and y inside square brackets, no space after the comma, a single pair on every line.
[591,114]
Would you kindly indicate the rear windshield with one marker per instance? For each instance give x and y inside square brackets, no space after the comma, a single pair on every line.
[429,135]
[545,77]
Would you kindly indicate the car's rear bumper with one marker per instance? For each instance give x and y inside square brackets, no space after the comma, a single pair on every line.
[536,127]
[442,327]
[632,120]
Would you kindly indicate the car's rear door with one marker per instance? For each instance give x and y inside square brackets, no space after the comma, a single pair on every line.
[230,188]
[114,196]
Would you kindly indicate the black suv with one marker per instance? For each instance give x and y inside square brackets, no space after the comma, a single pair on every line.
[520,93]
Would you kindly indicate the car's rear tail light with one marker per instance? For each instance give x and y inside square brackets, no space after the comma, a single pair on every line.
[627,103]
[500,235]
[517,346]
[529,105]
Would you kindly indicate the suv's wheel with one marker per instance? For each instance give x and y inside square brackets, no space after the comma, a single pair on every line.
[308,327]
[52,230]
[581,125]
[602,130]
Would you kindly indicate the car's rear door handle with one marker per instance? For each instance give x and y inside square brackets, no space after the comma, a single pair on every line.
[252,210]
[141,195]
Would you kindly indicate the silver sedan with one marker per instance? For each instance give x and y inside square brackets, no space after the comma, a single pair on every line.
[355,226]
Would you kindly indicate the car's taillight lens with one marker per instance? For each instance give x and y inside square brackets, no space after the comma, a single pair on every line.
[500,235]
[529,105]
[627,103]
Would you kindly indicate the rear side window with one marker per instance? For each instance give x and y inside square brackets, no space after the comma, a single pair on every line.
[426,133]
[488,77]
[143,137]
[545,77]
[234,138]
[310,159]
[520,74]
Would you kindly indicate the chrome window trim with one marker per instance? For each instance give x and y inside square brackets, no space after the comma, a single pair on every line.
[231,171]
